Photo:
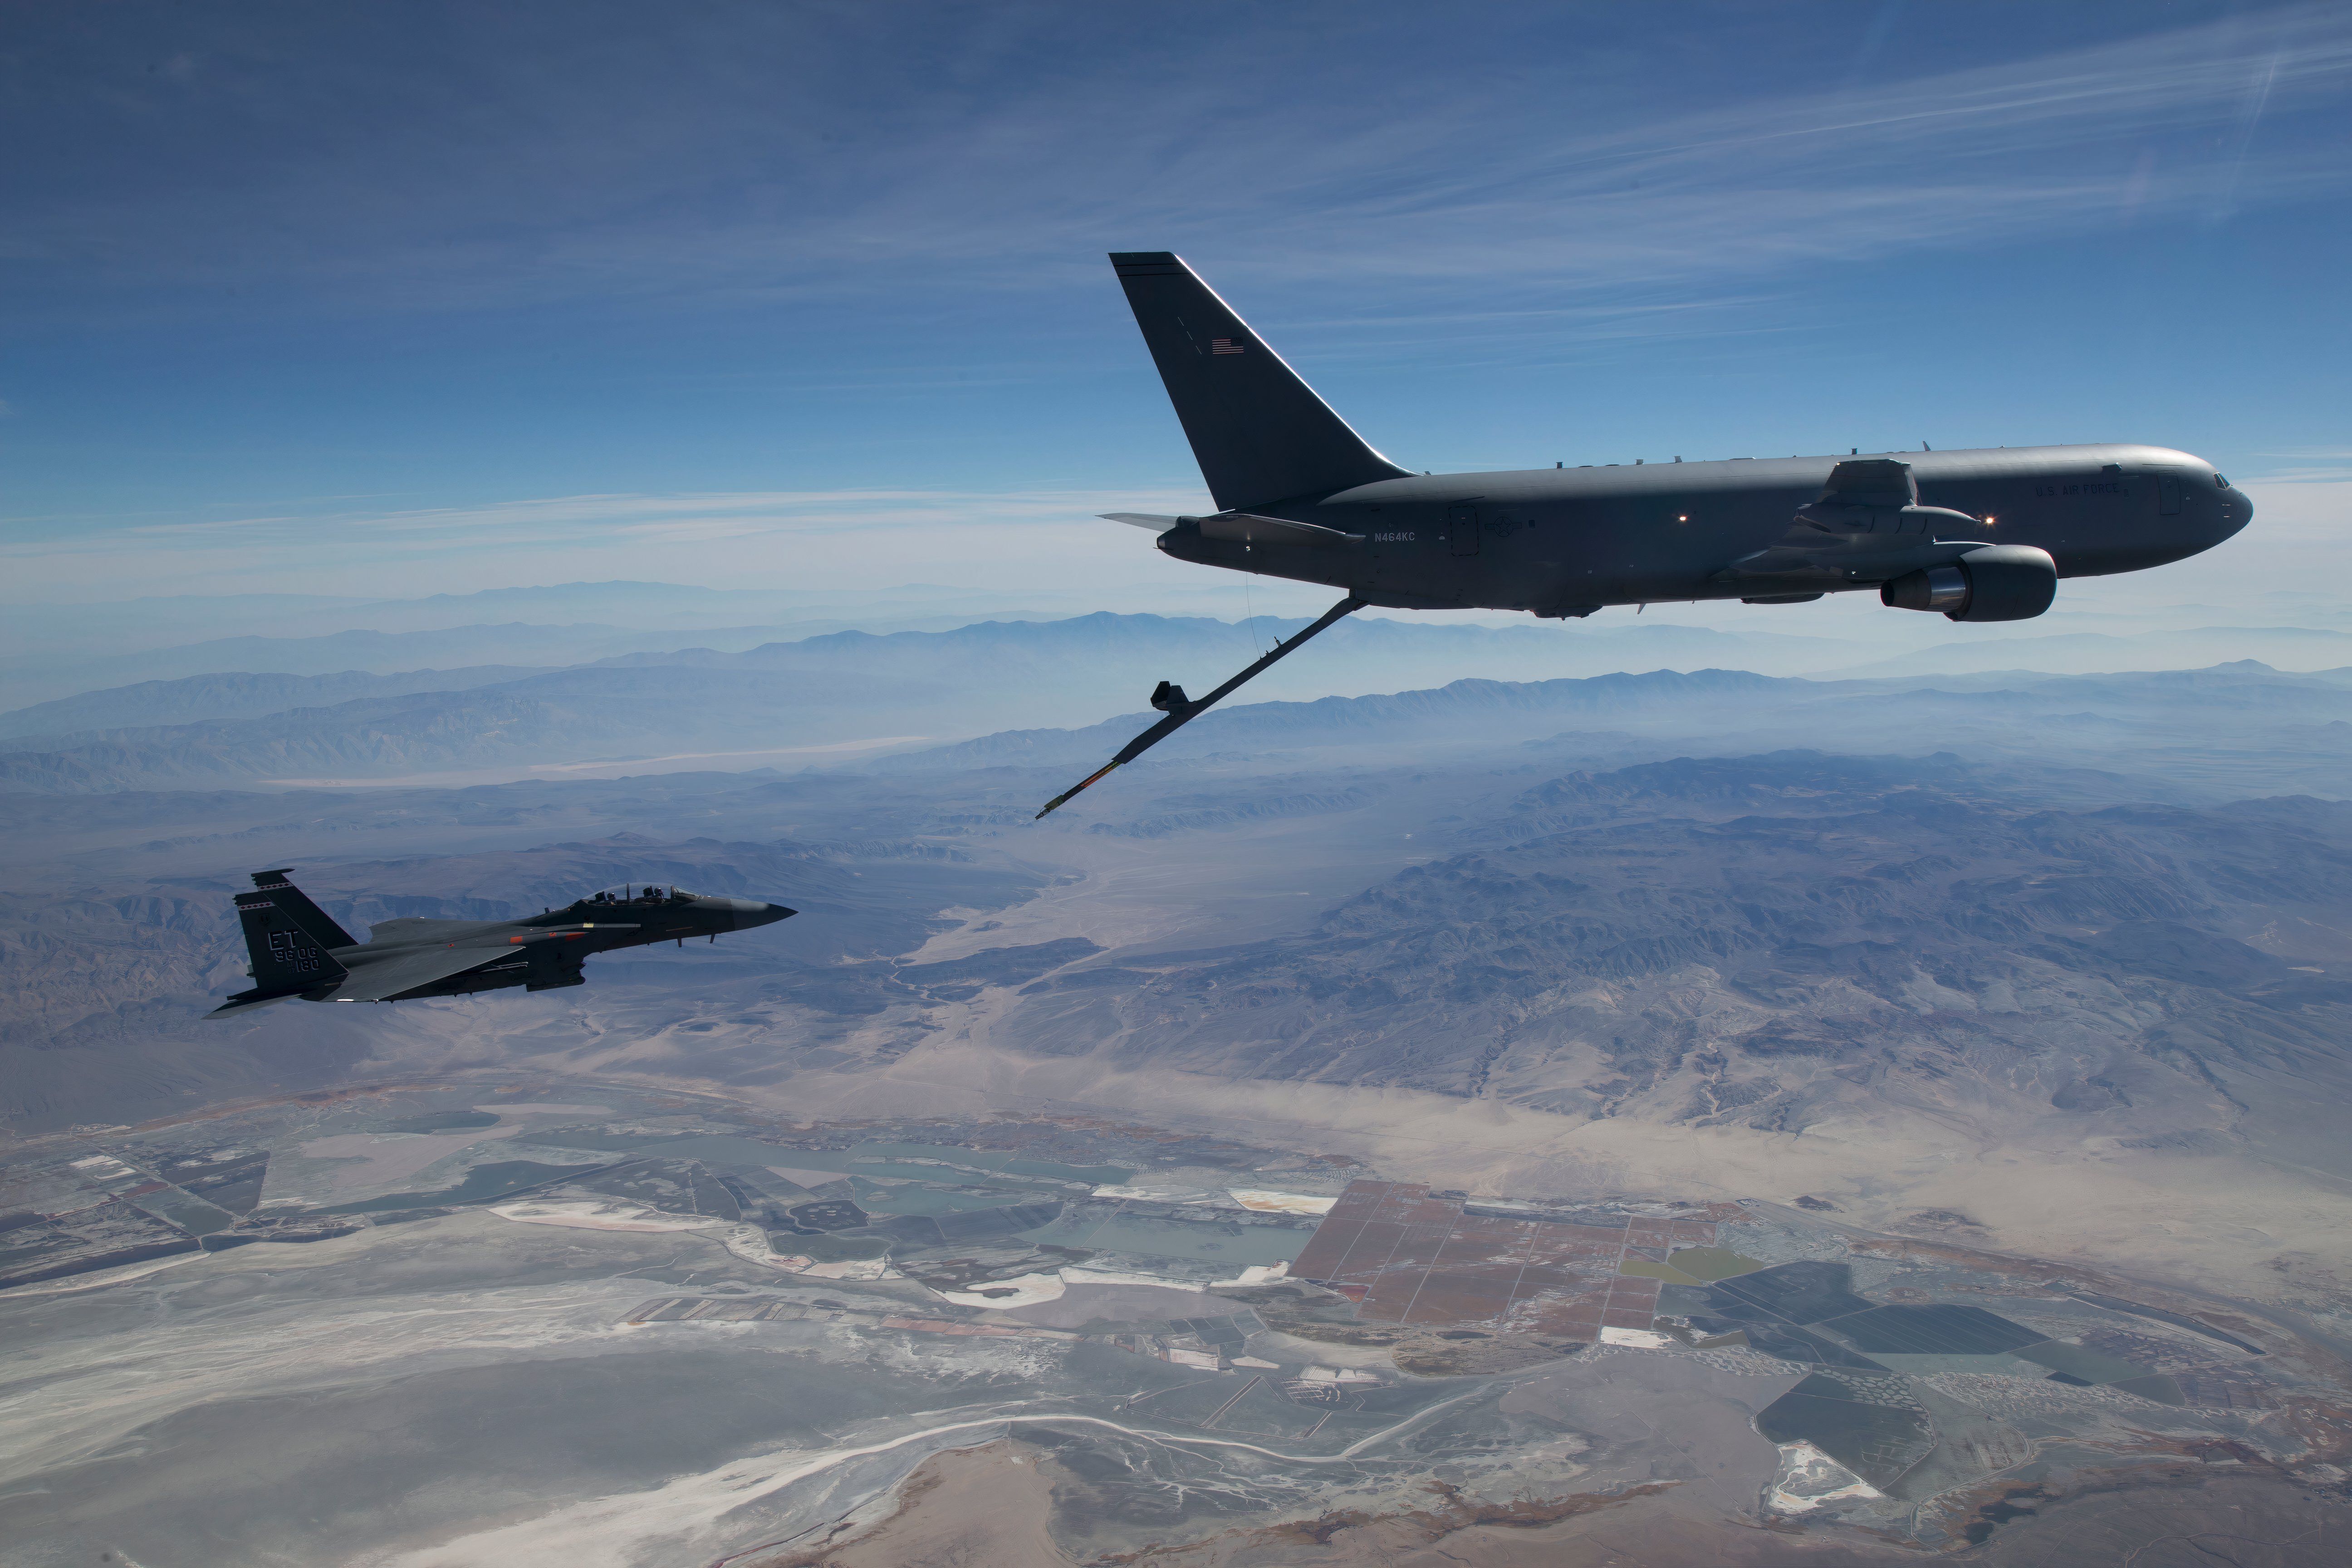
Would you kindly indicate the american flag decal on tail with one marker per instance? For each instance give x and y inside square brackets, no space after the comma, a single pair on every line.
[1224,346]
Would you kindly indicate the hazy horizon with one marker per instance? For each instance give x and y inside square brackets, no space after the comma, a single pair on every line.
[1776,1084]
[499,337]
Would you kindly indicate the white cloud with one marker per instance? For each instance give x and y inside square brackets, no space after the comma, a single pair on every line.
[1003,542]
[1047,544]
[1550,173]
[2282,571]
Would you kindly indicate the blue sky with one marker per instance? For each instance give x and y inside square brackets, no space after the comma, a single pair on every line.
[404,299]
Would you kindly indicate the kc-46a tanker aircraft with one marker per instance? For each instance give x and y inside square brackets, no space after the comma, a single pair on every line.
[1977,535]
[299,950]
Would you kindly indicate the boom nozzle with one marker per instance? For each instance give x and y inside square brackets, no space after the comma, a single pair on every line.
[1075,788]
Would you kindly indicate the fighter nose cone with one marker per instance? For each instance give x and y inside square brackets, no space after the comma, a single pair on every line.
[750,912]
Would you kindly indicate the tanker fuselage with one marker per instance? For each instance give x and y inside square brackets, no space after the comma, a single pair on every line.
[1569,541]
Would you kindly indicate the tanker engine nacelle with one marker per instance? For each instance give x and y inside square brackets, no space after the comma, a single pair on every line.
[1997,583]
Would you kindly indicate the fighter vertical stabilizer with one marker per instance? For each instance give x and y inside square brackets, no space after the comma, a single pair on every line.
[288,958]
[297,908]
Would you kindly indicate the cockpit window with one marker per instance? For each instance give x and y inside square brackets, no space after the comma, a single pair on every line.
[2220,483]
[636,893]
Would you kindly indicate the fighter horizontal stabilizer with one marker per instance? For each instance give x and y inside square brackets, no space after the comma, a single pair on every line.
[1155,521]
[1170,699]
[247,1001]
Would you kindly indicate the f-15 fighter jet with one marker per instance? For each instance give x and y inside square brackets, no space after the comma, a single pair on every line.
[298,951]
[1975,535]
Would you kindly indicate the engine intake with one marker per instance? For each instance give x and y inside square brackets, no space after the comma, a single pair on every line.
[1997,583]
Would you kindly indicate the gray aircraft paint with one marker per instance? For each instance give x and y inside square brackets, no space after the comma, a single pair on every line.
[298,949]
[1566,542]
[1978,536]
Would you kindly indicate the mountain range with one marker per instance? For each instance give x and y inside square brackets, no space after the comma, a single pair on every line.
[896,690]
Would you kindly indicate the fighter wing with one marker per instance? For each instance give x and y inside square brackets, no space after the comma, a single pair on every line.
[390,978]
[419,927]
